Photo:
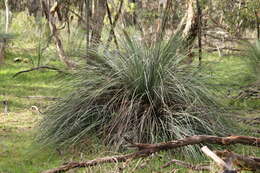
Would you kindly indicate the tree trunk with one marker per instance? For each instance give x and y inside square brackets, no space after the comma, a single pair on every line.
[51,20]
[88,12]
[6,16]
[257,14]
[163,20]
[3,40]
[34,8]
[189,28]
[199,30]
[113,23]
[98,18]
[2,50]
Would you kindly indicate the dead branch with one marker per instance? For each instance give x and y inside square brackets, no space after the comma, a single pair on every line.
[249,120]
[227,166]
[42,97]
[38,68]
[112,159]
[187,165]
[243,162]
[148,149]
[193,140]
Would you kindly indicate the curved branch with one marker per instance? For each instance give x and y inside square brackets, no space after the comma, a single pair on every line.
[38,68]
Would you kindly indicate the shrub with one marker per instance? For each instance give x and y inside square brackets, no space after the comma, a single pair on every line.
[145,93]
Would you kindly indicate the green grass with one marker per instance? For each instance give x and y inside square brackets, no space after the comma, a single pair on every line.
[229,74]
[35,83]
[19,155]
[18,152]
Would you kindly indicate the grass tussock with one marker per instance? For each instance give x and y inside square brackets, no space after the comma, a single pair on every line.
[145,93]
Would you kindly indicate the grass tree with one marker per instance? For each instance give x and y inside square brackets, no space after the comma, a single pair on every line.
[145,93]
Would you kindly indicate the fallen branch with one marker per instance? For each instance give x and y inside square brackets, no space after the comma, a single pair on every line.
[148,149]
[187,165]
[250,121]
[226,166]
[38,68]
[244,162]
[112,159]
[192,140]
[42,97]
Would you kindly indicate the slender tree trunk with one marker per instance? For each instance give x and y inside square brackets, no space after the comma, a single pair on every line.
[199,30]
[162,22]
[2,50]
[190,30]
[88,12]
[257,14]
[134,20]
[6,16]
[98,18]
[3,40]
[113,23]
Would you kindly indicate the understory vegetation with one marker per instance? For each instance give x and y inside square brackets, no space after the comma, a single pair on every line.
[20,153]
[73,88]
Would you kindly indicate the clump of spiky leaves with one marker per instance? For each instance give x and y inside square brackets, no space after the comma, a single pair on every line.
[145,93]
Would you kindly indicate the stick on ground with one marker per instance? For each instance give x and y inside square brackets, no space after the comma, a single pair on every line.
[38,68]
[187,165]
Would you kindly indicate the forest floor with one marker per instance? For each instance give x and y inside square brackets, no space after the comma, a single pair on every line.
[20,152]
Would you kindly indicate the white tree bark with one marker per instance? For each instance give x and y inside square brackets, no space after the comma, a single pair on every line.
[6,16]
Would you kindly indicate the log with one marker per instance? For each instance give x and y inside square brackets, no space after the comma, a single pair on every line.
[148,149]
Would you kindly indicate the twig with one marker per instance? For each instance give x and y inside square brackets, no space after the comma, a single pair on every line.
[38,68]
[148,149]
[187,165]
[249,120]
[42,97]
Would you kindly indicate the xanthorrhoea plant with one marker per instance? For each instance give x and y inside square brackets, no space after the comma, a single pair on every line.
[145,93]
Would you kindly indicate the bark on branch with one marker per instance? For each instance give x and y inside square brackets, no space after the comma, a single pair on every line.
[38,68]
[148,149]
